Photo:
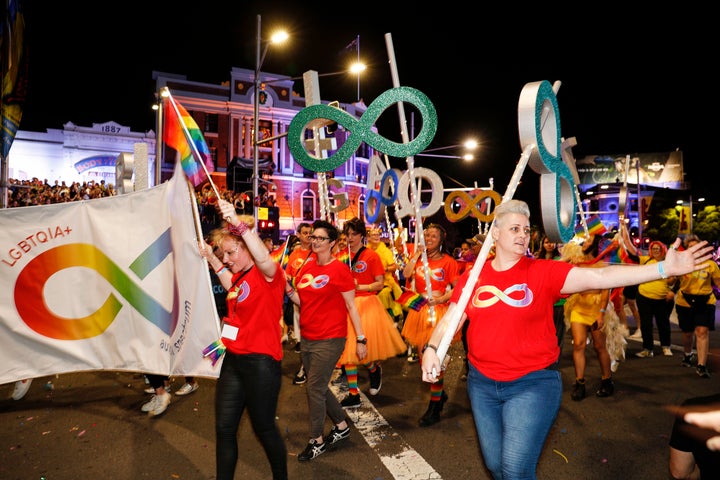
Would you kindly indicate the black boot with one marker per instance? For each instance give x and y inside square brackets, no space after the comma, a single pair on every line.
[578,391]
[606,389]
[432,415]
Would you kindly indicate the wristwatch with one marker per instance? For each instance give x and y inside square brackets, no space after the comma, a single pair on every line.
[362,340]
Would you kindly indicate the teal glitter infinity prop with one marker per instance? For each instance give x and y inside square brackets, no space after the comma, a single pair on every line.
[361,130]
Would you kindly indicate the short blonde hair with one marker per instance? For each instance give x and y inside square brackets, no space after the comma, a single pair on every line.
[511,206]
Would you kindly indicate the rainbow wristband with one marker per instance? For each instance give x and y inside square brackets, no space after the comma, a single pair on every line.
[661,270]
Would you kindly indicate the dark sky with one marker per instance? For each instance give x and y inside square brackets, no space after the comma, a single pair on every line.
[631,83]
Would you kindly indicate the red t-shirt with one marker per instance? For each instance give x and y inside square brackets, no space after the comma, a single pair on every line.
[511,331]
[366,267]
[443,272]
[254,308]
[323,313]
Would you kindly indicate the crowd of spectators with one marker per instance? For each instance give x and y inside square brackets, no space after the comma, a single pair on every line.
[24,193]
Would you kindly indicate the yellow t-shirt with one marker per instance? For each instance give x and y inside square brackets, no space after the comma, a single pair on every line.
[655,289]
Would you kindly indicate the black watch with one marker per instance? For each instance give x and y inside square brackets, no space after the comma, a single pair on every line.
[363,341]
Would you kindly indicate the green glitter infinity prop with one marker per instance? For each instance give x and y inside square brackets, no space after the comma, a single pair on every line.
[361,130]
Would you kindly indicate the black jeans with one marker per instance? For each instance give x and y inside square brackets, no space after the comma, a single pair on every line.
[251,381]
[660,310]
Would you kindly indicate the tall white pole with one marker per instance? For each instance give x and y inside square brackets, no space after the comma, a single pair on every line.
[256,120]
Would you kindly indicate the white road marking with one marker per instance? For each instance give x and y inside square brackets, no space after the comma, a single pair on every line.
[403,462]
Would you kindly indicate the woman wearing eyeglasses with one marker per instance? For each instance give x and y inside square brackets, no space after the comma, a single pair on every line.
[326,296]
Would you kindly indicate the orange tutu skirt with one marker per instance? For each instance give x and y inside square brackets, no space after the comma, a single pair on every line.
[418,327]
[383,339]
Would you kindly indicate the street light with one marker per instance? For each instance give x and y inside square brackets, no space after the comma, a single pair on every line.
[278,37]
[469,145]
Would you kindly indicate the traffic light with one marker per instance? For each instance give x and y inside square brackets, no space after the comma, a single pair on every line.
[269,223]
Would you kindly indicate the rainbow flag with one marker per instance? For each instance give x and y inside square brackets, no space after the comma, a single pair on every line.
[344,256]
[15,72]
[594,224]
[411,300]
[280,255]
[182,133]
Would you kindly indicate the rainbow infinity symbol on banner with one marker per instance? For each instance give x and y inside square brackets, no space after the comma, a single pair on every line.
[34,311]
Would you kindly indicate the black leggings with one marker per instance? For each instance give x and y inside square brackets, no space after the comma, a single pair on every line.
[251,381]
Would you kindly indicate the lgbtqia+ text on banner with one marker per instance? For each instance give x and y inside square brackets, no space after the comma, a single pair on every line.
[115,283]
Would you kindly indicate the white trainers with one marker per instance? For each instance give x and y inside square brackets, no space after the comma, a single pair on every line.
[187,388]
[644,354]
[157,404]
[21,388]
[614,364]
[636,334]
[667,351]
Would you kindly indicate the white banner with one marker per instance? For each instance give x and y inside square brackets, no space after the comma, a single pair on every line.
[114,283]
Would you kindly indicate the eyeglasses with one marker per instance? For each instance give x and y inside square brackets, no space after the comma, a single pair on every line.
[314,238]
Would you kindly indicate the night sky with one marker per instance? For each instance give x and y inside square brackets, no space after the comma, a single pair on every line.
[630,83]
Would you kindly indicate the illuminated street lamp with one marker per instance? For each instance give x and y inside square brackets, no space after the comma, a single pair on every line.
[278,37]
[469,145]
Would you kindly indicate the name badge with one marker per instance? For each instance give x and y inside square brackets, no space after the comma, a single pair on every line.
[229,332]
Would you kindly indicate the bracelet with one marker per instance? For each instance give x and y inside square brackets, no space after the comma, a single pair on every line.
[602,310]
[661,270]
[238,229]
[289,292]
[219,272]
[429,345]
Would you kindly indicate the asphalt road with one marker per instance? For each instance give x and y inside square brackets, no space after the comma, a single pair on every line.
[88,425]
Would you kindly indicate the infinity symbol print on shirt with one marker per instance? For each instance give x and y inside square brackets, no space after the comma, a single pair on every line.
[308,280]
[503,296]
[362,130]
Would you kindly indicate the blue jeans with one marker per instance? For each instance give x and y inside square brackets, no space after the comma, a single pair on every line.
[513,419]
[251,381]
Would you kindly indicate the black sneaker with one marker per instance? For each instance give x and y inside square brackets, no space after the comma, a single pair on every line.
[702,371]
[376,381]
[336,434]
[607,388]
[351,401]
[300,377]
[578,391]
[312,450]
[340,381]
[687,360]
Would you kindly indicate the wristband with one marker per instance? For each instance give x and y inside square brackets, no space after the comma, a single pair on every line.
[661,270]
[219,272]
[602,310]
[429,345]
[238,229]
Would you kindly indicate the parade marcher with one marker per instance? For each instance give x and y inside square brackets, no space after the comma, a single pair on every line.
[325,293]
[251,372]
[514,385]
[384,340]
[695,307]
[419,324]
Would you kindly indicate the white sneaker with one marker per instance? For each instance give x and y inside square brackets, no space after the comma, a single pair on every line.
[636,334]
[21,388]
[157,405]
[644,354]
[614,364]
[187,389]
[667,351]
[284,338]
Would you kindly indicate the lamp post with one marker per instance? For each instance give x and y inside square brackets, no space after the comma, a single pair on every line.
[259,59]
[469,145]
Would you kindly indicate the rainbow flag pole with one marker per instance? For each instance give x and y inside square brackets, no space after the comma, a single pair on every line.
[190,141]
